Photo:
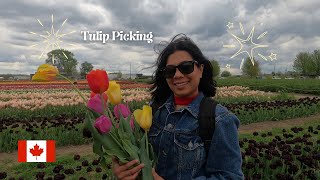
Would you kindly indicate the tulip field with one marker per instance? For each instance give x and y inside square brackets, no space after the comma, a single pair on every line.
[53,110]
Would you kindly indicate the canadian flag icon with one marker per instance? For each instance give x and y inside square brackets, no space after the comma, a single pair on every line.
[36,151]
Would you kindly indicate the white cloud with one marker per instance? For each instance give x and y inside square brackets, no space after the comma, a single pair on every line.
[293,26]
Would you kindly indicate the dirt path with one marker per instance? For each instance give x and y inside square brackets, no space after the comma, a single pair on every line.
[87,148]
[267,125]
[298,96]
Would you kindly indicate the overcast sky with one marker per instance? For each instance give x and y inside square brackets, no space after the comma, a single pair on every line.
[291,26]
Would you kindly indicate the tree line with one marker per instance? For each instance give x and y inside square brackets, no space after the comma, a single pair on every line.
[305,64]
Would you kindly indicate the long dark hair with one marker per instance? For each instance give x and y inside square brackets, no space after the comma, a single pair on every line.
[160,90]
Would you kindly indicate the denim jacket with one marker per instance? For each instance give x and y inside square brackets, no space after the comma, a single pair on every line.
[174,135]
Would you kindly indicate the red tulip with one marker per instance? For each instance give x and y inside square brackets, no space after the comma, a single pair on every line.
[123,109]
[98,81]
[103,124]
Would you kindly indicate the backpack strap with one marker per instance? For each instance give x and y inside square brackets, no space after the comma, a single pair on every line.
[207,121]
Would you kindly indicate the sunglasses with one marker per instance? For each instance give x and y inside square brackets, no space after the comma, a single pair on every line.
[186,67]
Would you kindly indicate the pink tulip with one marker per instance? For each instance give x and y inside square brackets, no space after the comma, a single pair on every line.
[103,124]
[95,104]
[123,109]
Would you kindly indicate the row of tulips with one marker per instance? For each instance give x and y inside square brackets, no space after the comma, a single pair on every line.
[275,110]
[73,167]
[63,86]
[28,82]
[39,99]
[292,154]
[247,112]
[60,129]
[15,126]
[42,99]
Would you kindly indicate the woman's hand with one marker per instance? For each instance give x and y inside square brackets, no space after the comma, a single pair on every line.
[126,171]
[156,175]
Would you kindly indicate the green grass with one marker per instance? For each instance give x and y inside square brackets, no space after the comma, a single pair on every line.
[278,131]
[29,170]
[248,99]
[276,114]
[304,86]
[62,135]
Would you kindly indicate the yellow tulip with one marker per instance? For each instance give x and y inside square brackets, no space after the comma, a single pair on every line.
[45,72]
[144,117]
[114,93]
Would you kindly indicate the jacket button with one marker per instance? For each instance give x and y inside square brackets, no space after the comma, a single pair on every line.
[169,126]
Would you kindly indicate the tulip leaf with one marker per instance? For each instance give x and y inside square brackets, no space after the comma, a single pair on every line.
[97,147]
[120,155]
[110,145]
[147,170]
[131,149]
[95,114]
[125,138]
[152,156]
[127,128]
[137,131]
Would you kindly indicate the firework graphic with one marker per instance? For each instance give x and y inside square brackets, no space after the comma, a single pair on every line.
[51,39]
[248,42]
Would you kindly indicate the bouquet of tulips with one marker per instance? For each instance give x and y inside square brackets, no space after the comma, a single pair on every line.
[118,134]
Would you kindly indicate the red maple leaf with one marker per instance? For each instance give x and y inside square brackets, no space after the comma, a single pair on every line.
[36,151]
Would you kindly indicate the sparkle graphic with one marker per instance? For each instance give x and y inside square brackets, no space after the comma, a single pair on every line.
[228,66]
[51,39]
[230,25]
[248,42]
[273,56]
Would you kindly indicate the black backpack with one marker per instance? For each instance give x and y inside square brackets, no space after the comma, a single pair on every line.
[206,117]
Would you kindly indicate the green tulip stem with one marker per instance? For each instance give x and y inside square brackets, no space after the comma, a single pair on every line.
[116,140]
[110,113]
[107,111]
[111,117]
[102,103]
[75,88]
[147,143]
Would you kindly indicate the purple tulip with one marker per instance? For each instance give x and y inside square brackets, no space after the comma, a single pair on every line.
[103,124]
[123,109]
[95,104]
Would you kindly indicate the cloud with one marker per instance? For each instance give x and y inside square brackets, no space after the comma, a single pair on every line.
[291,26]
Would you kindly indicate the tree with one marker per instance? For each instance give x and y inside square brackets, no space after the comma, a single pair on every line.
[85,69]
[316,59]
[64,60]
[225,74]
[304,65]
[216,68]
[249,69]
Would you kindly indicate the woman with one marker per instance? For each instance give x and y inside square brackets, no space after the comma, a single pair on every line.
[183,77]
